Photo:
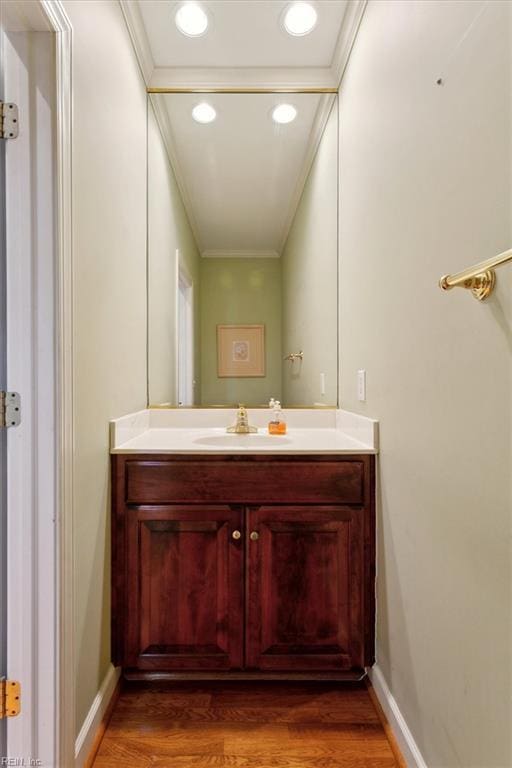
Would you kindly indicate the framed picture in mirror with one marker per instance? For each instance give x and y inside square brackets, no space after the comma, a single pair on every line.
[240,350]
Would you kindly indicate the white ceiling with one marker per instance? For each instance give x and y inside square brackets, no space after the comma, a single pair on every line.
[242,33]
[245,44]
[241,176]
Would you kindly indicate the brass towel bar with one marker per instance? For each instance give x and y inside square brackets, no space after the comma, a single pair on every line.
[479,279]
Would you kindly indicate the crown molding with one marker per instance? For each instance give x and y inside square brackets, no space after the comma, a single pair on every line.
[164,125]
[242,77]
[322,115]
[238,254]
[140,42]
[346,38]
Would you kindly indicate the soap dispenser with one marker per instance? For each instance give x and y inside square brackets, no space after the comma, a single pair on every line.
[277,425]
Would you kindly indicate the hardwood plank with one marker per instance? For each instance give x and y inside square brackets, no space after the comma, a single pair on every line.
[245,726]
[297,694]
[161,728]
[356,714]
[137,701]
[262,741]
[168,745]
[164,706]
[239,761]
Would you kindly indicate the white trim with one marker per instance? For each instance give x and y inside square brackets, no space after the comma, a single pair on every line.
[243,77]
[99,706]
[60,23]
[396,720]
[325,106]
[176,324]
[137,30]
[346,39]
[164,126]
[218,253]
[31,351]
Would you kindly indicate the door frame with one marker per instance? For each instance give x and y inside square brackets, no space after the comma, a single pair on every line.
[185,281]
[46,659]
[64,362]
[3,435]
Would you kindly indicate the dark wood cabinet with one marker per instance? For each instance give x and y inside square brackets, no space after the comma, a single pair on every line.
[305,572]
[250,566]
[184,588]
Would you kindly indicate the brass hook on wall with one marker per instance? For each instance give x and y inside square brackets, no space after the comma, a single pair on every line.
[293,356]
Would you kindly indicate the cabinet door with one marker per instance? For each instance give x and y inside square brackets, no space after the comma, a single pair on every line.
[184,588]
[305,589]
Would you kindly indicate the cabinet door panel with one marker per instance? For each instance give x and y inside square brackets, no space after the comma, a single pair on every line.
[305,589]
[185,601]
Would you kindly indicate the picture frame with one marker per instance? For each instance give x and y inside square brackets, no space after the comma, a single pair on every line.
[240,351]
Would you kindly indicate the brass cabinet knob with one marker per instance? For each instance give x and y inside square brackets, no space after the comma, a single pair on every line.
[254,536]
[236,534]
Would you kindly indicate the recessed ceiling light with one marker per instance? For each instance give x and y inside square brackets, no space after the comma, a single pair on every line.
[300,19]
[191,20]
[284,113]
[204,113]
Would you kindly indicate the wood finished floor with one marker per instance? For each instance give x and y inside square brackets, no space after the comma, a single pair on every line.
[256,725]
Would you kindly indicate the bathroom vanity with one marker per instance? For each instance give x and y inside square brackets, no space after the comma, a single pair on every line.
[246,562]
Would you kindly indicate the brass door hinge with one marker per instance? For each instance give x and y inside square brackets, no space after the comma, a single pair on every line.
[10,698]
[9,118]
[10,409]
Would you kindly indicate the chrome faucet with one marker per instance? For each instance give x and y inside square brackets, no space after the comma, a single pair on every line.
[242,426]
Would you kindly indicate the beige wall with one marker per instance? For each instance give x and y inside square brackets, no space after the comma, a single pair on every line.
[309,296]
[240,291]
[168,231]
[109,252]
[425,189]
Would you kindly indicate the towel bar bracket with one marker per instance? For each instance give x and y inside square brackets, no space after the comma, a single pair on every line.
[480,279]
[481,285]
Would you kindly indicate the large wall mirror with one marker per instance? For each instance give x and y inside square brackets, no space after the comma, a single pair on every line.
[242,249]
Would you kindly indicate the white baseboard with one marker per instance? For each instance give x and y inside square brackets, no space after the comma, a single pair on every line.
[98,708]
[396,720]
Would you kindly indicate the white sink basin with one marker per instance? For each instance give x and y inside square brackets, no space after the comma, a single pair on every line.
[243,441]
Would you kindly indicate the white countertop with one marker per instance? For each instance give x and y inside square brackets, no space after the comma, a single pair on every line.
[203,431]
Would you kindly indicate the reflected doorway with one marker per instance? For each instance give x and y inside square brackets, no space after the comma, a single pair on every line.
[185,339]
